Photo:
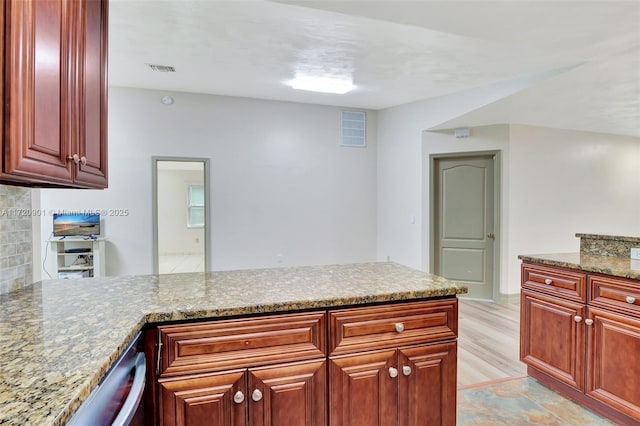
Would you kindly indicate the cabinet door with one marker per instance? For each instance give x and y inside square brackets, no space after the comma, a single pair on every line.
[427,385]
[204,400]
[288,394]
[361,389]
[90,48]
[37,72]
[613,373]
[552,337]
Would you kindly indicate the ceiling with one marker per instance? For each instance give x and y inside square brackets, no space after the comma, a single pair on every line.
[570,64]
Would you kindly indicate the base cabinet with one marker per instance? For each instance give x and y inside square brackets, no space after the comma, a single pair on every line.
[584,344]
[552,337]
[613,377]
[405,387]
[388,365]
[288,394]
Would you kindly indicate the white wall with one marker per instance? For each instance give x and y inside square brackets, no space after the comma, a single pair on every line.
[566,182]
[586,182]
[280,183]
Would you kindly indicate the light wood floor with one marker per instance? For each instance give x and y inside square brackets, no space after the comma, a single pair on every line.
[488,342]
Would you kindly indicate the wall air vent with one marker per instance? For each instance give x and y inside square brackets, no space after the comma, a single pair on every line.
[353,129]
[162,68]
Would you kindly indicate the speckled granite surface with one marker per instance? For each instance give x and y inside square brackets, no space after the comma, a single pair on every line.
[60,336]
[616,266]
[607,245]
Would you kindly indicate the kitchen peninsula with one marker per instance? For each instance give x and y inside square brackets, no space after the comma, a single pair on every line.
[61,336]
[580,324]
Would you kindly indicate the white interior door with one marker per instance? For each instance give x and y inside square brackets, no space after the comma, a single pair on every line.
[465,222]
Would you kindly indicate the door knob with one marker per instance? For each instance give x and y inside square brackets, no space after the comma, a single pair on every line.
[406,370]
[238,398]
[256,395]
[491,236]
[393,372]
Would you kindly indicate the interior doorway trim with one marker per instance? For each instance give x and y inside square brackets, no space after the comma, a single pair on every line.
[207,205]
[497,181]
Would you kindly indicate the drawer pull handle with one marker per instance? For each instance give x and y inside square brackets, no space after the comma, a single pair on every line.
[399,327]
[548,281]
[588,321]
[630,299]
[406,370]
[393,372]
[577,318]
[238,398]
[256,395]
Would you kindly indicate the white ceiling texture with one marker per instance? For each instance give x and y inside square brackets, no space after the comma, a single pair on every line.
[574,64]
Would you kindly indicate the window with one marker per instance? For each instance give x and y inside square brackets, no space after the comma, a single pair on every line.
[195,218]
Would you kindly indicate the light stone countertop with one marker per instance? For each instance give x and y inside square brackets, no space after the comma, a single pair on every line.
[59,337]
[615,266]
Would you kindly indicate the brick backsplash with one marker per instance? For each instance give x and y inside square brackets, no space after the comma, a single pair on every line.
[16,245]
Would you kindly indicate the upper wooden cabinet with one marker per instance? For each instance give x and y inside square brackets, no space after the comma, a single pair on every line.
[55,93]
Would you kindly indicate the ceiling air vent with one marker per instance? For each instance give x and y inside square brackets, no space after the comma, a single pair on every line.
[162,68]
[352,129]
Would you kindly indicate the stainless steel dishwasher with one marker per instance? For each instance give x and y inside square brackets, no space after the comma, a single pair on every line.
[117,399]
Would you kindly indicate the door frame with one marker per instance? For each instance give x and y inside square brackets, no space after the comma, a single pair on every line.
[497,217]
[154,205]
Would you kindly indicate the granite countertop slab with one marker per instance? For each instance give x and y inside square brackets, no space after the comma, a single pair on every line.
[615,266]
[59,337]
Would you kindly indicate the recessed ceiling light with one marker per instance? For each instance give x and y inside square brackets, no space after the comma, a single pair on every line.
[334,85]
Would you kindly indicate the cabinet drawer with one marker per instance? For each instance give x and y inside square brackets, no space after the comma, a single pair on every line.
[558,282]
[620,294]
[216,345]
[358,329]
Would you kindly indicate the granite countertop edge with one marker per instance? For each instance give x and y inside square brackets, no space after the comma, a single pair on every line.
[607,265]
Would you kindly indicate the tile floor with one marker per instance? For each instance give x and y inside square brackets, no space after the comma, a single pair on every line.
[521,402]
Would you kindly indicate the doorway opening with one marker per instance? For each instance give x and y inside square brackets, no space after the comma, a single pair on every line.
[180,214]
[465,220]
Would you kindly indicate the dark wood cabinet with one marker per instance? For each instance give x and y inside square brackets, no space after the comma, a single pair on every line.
[55,93]
[552,336]
[580,335]
[284,394]
[394,364]
[391,364]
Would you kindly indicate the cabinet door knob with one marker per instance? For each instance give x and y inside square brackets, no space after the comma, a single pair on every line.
[577,318]
[548,281]
[588,321]
[75,158]
[83,160]
[630,299]
[238,398]
[256,395]
[406,370]
[399,327]
[393,372]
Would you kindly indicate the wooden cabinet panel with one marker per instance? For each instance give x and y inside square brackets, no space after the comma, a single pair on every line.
[619,294]
[288,395]
[370,328]
[218,345]
[554,281]
[361,390]
[91,93]
[36,83]
[55,93]
[427,385]
[551,339]
[204,400]
[613,371]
